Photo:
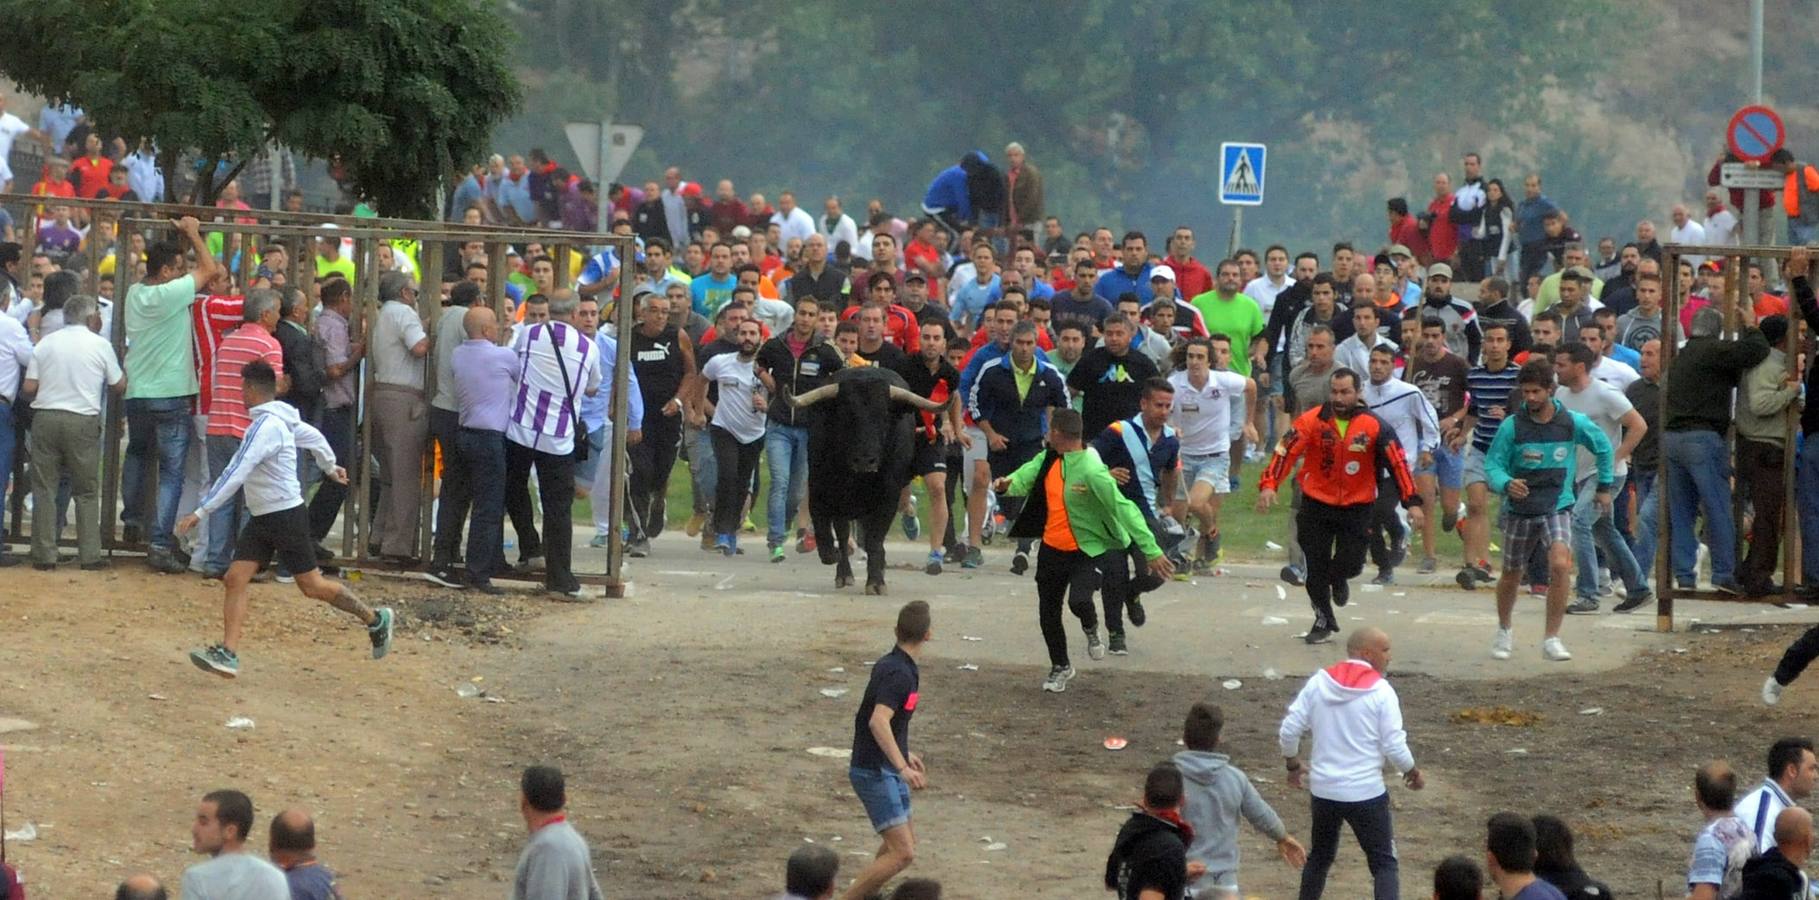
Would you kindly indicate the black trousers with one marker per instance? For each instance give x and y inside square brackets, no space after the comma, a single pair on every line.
[556,490]
[1333,537]
[956,473]
[736,464]
[1386,527]
[652,461]
[1798,656]
[1370,821]
[481,457]
[1759,465]
[457,491]
[325,507]
[1064,575]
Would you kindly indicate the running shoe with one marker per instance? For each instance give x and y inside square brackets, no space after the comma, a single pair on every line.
[1293,576]
[1634,601]
[528,564]
[1448,521]
[1428,566]
[1134,608]
[216,659]
[639,548]
[281,578]
[1057,679]
[1553,650]
[1318,635]
[1342,594]
[954,554]
[1537,590]
[912,528]
[1202,566]
[1771,691]
[1095,648]
[975,558]
[576,594]
[165,562]
[1399,551]
[707,540]
[748,526]
[694,524]
[1503,645]
[1481,570]
[486,587]
[777,553]
[805,541]
[1020,563]
[381,632]
[1467,579]
[446,576]
[934,563]
[598,541]
[1385,575]
[1584,606]
[1115,644]
[1729,587]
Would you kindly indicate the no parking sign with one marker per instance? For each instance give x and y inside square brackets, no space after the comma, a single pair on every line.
[1755,133]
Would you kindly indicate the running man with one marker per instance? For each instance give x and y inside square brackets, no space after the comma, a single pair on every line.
[1144,457]
[1202,415]
[1489,386]
[1532,464]
[265,468]
[1085,525]
[1406,411]
[883,770]
[1346,446]
[931,375]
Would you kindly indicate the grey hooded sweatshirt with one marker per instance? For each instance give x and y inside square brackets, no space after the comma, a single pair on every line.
[1216,792]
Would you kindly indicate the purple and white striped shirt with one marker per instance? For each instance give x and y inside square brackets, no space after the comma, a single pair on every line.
[543,414]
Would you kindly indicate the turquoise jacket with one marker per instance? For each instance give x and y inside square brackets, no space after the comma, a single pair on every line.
[1544,455]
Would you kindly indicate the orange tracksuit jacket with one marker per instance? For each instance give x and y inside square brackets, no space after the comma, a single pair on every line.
[1341,471]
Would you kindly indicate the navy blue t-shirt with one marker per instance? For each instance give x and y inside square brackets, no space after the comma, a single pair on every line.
[1164,455]
[893,684]
[312,883]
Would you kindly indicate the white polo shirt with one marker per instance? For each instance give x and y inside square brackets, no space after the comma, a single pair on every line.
[71,367]
[1202,417]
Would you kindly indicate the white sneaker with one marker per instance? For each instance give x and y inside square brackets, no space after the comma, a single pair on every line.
[1095,648]
[1554,651]
[1771,691]
[1058,677]
[1505,642]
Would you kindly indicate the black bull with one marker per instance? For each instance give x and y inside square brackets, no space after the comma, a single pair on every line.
[861,438]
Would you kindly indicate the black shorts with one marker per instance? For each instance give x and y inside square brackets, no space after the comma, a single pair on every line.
[285,533]
[929,457]
[1012,457]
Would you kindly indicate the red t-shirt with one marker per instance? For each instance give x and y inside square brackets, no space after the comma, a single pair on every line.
[900,326]
[90,175]
[227,408]
[1042,340]
[211,318]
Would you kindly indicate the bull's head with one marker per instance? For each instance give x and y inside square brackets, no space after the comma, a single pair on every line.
[861,416]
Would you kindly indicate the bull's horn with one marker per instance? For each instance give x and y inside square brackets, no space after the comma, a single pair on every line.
[810,398]
[905,395]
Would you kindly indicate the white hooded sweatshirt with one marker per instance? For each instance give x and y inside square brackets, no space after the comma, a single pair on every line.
[265,466]
[1357,724]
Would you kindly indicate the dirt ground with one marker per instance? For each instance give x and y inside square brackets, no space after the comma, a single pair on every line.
[687,756]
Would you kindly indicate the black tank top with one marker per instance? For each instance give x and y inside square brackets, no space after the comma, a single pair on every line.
[658,361]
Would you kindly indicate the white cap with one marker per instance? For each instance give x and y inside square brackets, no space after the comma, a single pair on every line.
[741,232]
[1163,272]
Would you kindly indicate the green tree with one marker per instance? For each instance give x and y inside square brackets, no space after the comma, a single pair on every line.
[396,93]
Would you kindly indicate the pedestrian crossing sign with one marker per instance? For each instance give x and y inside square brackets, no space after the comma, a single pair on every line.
[1241,174]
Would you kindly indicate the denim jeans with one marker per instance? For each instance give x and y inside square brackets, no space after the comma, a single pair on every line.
[325,507]
[1698,474]
[786,453]
[703,470]
[225,524]
[1806,489]
[1648,511]
[481,457]
[1594,530]
[1370,821]
[155,426]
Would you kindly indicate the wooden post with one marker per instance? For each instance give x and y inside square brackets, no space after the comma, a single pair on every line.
[429,308]
[112,463]
[559,257]
[1664,551]
[1790,511]
[495,289]
[366,304]
[1734,283]
[620,414]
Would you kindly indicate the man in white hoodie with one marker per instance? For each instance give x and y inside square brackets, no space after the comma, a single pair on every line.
[1215,794]
[265,469]
[1403,407]
[1356,722]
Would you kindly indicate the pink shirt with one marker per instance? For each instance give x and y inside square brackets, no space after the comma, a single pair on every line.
[226,408]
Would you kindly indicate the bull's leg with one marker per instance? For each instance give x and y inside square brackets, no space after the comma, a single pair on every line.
[872,530]
[843,573]
[824,539]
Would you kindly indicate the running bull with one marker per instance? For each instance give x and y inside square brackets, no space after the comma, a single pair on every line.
[859,452]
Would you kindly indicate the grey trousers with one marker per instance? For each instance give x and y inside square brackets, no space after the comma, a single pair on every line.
[400,435]
[66,443]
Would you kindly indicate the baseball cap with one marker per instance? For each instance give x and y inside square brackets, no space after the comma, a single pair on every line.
[741,232]
[1440,270]
[1580,273]
[1162,273]
[914,275]
[1382,259]
[1400,250]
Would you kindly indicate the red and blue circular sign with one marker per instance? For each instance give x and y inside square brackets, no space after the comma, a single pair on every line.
[1755,133]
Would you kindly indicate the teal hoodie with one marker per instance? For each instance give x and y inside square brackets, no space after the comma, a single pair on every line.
[1544,455]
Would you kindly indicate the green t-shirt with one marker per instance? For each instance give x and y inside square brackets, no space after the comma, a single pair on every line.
[160,351]
[341,265]
[1239,318]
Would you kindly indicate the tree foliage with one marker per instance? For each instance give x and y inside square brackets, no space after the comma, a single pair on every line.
[398,92]
[1123,103]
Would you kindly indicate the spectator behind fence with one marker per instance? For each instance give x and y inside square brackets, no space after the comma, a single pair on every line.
[293,849]
[400,423]
[445,427]
[555,864]
[66,374]
[228,417]
[1725,844]
[342,359]
[559,365]
[223,821]
[810,873]
[140,887]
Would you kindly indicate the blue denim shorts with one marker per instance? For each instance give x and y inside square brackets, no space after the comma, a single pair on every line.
[885,794]
[1448,468]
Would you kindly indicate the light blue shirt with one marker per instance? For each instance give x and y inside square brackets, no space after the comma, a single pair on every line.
[971,298]
[594,409]
[1626,355]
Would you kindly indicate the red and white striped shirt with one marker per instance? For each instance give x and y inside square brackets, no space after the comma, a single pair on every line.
[227,408]
[211,318]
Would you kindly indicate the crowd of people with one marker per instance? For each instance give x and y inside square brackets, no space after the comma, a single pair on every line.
[1095,397]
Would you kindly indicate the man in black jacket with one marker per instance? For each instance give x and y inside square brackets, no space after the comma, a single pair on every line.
[1776,875]
[1150,854]
[792,363]
[1110,377]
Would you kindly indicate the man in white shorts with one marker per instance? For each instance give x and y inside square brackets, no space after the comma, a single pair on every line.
[1202,419]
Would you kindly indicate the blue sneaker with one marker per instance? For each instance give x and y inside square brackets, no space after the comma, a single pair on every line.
[934,563]
[381,632]
[216,659]
[975,558]
[912,528]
